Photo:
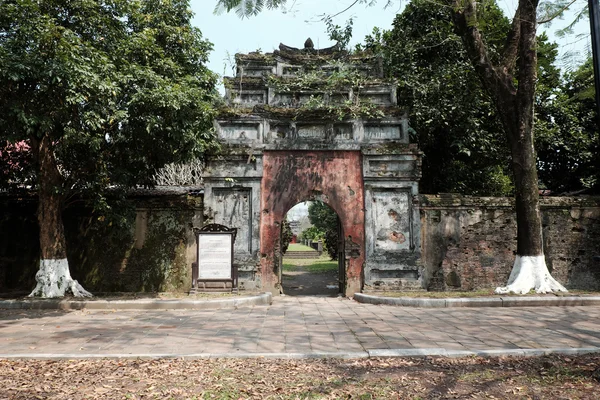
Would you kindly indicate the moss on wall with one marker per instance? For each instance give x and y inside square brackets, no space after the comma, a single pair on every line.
[145,251]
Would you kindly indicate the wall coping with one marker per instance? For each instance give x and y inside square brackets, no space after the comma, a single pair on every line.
[453,200]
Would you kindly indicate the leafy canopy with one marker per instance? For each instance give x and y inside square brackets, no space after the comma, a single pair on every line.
[453,119]
[119,86]
[326,222]
[567,137]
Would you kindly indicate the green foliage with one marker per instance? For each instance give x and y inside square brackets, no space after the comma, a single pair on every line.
[247,8]
[454,121]
[335,78]
[338,34]
[567,137]
[326,221]
[286,235]
[313,234]
[119,86]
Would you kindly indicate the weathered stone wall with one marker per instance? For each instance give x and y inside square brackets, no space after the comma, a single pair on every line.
[470,242]
[150,250]
[467,242]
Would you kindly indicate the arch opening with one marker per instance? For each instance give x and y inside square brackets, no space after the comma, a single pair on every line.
[311,254]
[335,178]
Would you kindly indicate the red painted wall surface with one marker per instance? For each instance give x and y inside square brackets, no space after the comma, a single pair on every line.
[291,177]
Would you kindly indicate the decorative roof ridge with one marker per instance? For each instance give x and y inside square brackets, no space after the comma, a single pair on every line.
[310,49]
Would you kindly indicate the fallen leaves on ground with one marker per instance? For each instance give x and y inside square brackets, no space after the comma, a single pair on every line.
[548,377]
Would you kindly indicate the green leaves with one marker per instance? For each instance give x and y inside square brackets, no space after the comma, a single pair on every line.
[455,122]
[325,226]
[247,8]
[567,138]
[119,85]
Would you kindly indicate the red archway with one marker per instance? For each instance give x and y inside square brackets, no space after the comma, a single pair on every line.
[336,178]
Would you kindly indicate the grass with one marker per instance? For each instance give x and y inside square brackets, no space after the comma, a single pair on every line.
[299,247]
[316,266]
[170,295]
[433,295]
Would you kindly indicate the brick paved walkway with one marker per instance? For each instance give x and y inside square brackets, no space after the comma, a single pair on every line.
[295,325]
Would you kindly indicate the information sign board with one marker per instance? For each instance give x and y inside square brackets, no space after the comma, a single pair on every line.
[215,256]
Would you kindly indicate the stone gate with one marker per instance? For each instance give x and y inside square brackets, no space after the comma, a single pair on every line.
[317,124]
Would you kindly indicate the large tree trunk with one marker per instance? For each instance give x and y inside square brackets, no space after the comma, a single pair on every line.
[515,107]
[53,278]
[529,270]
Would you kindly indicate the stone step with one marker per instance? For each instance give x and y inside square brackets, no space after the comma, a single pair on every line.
[302,254]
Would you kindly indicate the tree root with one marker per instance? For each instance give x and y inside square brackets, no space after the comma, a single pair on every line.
[530,273]
[54,280]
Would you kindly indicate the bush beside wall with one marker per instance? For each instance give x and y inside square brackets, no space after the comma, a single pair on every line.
[150,250]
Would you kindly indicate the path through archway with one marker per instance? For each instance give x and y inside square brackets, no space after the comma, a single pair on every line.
[311,265]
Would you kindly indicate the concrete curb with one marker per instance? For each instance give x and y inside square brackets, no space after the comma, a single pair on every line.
[261,299]
[424,352]
[533,301]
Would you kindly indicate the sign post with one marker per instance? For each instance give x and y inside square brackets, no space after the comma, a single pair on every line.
[214,258]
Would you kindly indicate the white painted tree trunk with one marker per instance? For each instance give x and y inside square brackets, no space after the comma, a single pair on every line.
[54,280]
[530,273]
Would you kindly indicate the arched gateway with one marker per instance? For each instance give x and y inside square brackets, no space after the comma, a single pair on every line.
[306,124]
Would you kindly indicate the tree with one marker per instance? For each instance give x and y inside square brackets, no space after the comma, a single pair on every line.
[286,235]
[509,78]
[313,233]
[104,92]
[325,220]
[567,137]
[455,122]
[463,142]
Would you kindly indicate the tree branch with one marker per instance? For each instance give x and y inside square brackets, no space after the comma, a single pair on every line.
[497,81]
[527,62]
[556,14]
[509,55]
[344,10]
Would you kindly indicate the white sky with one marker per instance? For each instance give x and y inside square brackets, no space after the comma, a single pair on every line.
[298,211]
[293,26]
[231,35]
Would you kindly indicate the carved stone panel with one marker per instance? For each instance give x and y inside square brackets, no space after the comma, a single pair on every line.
[239,131]
[248,98]
[391,213]
[392,166]
[255,70]
[375,132]
[311,131]
[343,132]
[232,207]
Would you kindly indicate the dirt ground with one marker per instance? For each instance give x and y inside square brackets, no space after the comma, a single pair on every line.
[302,282]
[548,377]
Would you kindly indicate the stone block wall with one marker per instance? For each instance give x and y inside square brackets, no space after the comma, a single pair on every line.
[469,243]
[150,250]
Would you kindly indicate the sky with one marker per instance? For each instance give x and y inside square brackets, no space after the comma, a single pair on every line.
[293,26]
[300,20]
